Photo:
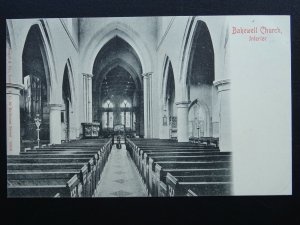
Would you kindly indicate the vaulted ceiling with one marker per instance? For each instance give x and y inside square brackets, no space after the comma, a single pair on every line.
[118,82]
[117,69]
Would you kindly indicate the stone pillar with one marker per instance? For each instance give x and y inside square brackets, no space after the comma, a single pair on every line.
[90,100]
[164,125]
[182,121]
[84,97]
[72,122]
[224,113]
[55,123]
[87,99]
[13,118]
[147,82]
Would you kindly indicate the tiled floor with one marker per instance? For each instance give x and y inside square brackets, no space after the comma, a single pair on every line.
[120,177]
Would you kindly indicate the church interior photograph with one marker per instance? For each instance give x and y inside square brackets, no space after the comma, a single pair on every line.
[129,107]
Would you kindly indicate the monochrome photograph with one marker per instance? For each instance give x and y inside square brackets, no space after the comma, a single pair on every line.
[165,106]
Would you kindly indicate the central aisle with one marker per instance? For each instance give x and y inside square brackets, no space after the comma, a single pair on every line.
[120,177]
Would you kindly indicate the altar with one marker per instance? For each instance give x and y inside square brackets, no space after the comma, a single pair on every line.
[91,130]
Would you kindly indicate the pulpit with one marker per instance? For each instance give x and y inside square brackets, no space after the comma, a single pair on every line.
[91,130]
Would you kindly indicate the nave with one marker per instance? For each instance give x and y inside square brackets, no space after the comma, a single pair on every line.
[138,168]
[181,78]
[120,177]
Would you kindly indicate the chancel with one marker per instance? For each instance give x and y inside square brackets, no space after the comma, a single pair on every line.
[156,87]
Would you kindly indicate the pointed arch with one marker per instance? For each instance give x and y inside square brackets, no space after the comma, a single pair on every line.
[202,106]
[111,65]
[70,73]
[124,32]
[168,71]
[48,54]
[194,27]
[34,33]
[10,38]
[8,41]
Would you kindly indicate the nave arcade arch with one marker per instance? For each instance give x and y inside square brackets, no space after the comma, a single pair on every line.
[117,88]
[199,82]
[35,96]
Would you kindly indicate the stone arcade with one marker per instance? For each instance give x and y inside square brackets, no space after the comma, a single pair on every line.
[162,87]
[159,82]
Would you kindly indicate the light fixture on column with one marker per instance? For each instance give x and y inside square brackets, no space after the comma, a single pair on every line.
[198,128]
[37,121]
[125,103]
[165,120]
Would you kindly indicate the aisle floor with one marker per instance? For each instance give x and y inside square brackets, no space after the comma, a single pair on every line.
[120,177]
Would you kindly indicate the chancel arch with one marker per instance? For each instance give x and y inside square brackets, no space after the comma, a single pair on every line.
[117,88]
[126,33]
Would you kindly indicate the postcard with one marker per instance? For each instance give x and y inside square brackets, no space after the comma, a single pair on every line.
[148,106]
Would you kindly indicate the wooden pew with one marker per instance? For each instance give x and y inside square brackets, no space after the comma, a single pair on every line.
[99,158]
[206,140]
[46,187]
[151,158]
[212,185]
[83,182]
[160,167]
[48,160]
[136,151]
[138,156]
[141,159]
[144,158]
[40,189]
[50,155]
[180,156]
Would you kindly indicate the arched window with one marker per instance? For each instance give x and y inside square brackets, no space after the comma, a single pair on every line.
[125,104]
[108,104]
[107,115]
[126,113]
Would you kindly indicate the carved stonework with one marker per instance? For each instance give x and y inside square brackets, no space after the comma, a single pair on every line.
[222,85]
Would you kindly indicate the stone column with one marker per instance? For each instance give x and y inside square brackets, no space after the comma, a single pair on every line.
[165,128]
[55,123]
[84,97]
[87,92]
[147,104]
[13,118]
[72,122]
[182,121]
[90,100]
[225,117]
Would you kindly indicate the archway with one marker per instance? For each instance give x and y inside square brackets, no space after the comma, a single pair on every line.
[199,81]
[35,95]
[199,120]
[169,99]
[66,106]
[8,56]
[117,88]
[124,32]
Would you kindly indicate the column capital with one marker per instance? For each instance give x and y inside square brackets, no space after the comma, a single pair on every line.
[14,88]
[183,104]
[54,106]
[223,82]
[222,85]
[88,75]
[147,75]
